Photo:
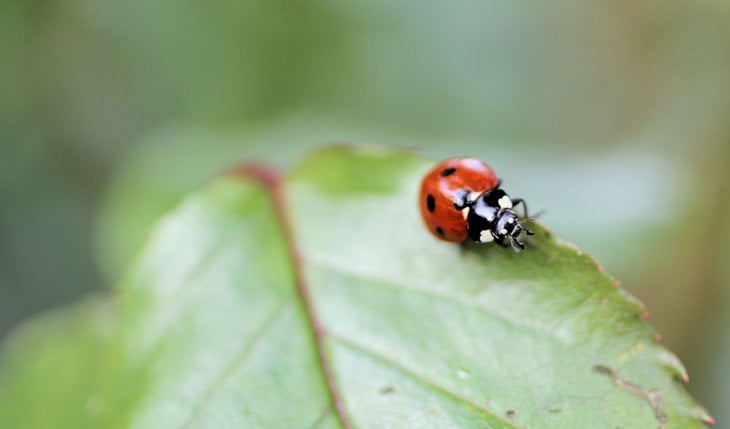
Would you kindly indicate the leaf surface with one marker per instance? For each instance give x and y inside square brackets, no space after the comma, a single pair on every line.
[320,300]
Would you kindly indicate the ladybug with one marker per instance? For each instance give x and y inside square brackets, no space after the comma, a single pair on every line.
[461,197]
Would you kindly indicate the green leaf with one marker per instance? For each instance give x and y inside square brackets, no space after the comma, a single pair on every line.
[319,300]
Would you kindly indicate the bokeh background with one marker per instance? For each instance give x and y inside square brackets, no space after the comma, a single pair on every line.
[612,116]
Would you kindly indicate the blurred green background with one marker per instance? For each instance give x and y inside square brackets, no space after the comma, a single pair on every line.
[612,116]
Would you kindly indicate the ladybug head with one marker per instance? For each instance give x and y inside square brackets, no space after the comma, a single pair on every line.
[508,227]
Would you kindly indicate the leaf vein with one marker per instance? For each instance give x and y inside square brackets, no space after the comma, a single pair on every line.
[411,373]
[460,300]
[239,360]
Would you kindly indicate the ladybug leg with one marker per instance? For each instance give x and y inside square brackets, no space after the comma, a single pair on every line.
[516,244]
[497,239]
[516,201]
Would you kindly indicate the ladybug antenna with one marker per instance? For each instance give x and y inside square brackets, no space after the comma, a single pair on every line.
[536,215]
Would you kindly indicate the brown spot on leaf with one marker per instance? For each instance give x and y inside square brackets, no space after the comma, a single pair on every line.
[386,390]
[651,397]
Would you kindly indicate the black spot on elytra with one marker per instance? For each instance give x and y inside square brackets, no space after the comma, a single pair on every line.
[510,413]
[439,231]
[431,203]
[448,171]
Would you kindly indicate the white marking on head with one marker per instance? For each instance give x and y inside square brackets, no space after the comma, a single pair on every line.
[505,202]
[474,195]
[486,236]
[511,220]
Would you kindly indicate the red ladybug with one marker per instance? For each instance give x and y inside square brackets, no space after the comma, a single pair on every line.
[461,197]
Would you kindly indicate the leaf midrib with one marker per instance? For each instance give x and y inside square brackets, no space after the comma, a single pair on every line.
[274,185]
